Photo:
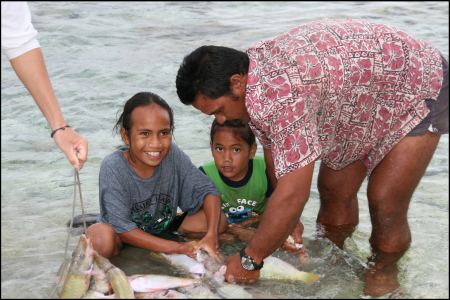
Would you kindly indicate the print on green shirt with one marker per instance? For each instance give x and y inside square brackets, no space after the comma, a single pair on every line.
[251,196]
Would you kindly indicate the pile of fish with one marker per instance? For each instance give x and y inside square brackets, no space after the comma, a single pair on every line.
[92,276]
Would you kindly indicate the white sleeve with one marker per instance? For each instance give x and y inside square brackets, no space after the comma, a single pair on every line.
[18,33]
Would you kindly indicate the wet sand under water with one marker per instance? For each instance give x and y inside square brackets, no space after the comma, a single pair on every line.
[341,274]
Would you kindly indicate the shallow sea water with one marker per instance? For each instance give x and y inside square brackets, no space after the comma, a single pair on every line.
[99,54]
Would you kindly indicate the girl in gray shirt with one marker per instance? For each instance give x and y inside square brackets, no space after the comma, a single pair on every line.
[142,186]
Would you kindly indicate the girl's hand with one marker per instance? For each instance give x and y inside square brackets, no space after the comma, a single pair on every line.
[188,248]
[210,244]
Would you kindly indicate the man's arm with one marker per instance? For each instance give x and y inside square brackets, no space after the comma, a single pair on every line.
[270,167]
[282,213]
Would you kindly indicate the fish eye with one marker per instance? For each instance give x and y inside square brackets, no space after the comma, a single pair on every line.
[240,208]
[232,209]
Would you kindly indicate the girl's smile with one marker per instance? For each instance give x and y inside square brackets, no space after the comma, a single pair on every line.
[149,138]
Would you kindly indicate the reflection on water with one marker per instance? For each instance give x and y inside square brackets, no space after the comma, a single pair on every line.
[99,54]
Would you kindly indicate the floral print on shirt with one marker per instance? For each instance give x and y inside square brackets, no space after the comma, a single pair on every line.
[338,91]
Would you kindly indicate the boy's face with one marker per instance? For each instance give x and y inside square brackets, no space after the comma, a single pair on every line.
[149,138]
[231,154]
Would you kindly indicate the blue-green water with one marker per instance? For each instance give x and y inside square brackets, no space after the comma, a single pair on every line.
[99,54]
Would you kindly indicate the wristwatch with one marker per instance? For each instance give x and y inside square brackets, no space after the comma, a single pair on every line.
[248,263]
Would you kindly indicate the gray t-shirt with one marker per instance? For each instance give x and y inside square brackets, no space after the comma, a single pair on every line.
[127,201]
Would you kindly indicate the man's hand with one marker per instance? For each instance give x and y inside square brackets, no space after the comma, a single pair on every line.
[294,241]
[236,274]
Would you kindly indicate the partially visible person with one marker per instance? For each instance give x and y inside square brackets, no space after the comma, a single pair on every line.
[364,98]
[241,179]
[22,49]
[142,186]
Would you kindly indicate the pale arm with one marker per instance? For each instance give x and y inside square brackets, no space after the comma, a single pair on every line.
[30,68]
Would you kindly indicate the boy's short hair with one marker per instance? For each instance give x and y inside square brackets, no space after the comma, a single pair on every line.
[238,128]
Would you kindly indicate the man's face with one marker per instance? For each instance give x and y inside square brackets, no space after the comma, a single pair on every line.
[225,108]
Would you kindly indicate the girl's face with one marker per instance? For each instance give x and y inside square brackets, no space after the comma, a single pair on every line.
[149,138]
[231,154]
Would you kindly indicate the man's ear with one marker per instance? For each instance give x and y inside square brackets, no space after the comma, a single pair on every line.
[237,84]
[124,136]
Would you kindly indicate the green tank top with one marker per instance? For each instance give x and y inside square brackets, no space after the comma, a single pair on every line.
[252,195]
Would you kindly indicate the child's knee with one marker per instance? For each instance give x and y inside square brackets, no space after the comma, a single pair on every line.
[104,239]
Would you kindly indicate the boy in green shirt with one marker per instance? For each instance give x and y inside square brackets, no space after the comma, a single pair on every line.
[241,178]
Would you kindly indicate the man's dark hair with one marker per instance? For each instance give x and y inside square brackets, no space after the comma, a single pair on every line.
[238,128]
[207,70]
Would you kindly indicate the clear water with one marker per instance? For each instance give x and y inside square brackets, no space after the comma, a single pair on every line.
[99,54]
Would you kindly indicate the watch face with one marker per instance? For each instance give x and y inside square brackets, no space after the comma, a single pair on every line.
[247,263]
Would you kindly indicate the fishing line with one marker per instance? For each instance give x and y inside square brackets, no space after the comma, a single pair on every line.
[81,201]
[76,182]
[64,266]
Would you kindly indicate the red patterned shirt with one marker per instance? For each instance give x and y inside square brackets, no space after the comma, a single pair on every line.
[338,91]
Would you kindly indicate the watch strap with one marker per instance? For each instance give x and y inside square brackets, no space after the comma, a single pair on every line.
[255,265]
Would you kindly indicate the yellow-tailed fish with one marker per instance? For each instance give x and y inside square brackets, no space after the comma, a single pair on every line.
[275,268]
[76,282]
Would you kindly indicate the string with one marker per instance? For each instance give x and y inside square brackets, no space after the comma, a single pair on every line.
[73,214]
[81,201]
[62,275]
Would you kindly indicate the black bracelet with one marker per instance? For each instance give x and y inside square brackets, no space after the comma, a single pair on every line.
[60,128]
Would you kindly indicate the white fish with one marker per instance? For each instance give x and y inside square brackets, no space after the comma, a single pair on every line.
[186,263]
[233,291]
[152,282]
[202,291]
[210,263]
[163,294]
[275,268]
[216,272]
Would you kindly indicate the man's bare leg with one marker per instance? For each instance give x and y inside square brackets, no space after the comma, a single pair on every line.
[338,214]
[390,188]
